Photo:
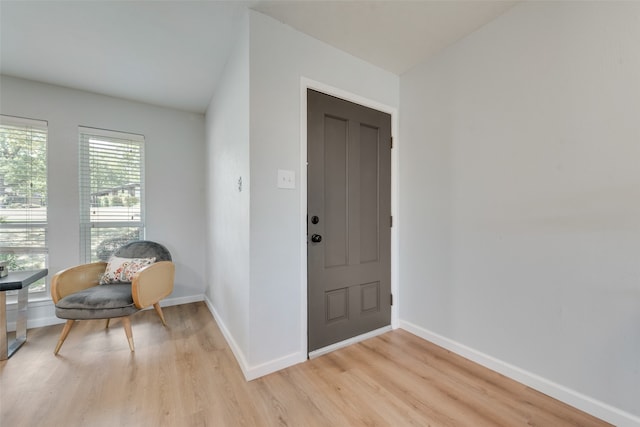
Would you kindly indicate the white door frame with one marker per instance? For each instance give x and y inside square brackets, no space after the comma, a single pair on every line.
[306,83]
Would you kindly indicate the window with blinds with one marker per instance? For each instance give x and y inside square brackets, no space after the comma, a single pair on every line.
[23,195]
[111,191]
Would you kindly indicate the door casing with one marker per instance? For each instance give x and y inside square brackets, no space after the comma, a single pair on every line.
[305,84]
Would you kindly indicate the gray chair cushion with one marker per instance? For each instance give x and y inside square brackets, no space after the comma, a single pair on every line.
[98,302]
[144,249]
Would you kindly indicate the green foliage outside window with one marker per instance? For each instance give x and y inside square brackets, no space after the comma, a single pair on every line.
[23,167]
[23,196]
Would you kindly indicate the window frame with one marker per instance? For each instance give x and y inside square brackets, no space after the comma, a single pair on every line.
[85,136]
[42,127]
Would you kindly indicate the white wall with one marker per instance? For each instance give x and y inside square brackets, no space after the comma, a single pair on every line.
[279,58]
[227,132]
[174,152]
[520,203]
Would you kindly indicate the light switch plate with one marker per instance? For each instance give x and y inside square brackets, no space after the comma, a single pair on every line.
[286,179]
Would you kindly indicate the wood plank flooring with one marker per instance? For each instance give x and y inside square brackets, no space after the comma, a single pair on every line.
[186,375]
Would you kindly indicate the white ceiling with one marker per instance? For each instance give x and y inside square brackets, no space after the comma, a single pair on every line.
[394,35]
[171,53]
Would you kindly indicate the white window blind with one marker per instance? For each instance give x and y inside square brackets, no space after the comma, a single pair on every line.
[23,195]
[111,191]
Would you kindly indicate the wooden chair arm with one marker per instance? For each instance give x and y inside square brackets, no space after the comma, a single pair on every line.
[75,279]
[152,283]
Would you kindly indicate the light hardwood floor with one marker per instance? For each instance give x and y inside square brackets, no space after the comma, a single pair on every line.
[186,375]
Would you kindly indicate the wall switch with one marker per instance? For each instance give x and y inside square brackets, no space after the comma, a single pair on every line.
[286,179]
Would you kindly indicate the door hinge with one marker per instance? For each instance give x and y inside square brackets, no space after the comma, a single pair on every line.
[391,299]
[391,221]
[391,142]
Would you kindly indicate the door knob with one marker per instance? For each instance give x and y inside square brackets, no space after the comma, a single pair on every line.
[316,238]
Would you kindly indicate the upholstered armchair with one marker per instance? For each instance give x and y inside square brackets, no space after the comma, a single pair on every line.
[138,275]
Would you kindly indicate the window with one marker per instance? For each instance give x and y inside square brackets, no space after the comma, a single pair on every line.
[23,195]
[111,191]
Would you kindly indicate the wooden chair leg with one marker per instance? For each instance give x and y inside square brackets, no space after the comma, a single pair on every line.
[63,335]
[127,330]
[107,325]
[159,311]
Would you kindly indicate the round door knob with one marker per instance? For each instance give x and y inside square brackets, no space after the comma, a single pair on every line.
[316,238]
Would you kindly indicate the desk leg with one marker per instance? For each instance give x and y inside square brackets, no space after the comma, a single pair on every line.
[21,321]
[6,348]
[3,327]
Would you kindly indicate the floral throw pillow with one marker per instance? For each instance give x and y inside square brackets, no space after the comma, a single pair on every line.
[121,270]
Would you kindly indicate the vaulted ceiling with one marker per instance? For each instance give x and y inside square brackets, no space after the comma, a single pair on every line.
[171,53]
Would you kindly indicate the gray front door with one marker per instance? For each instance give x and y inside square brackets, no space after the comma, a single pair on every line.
[348,219]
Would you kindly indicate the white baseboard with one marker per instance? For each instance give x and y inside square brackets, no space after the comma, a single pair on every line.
[167,302]
[253,372]
[345,343]
[41,313]
[235,349]
[571,397]
[38,323]
[274,365]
